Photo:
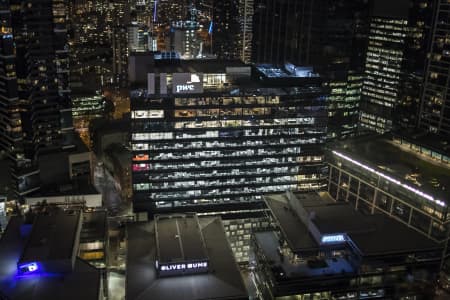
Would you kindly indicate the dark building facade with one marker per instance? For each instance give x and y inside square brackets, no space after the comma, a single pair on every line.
[287,30]
[38,106]
[398,44]
[329,35]
[207,136]
[435,106]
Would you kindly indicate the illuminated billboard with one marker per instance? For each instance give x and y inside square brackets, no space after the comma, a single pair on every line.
[187,83]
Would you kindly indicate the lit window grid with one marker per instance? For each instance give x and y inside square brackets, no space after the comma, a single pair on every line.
[147,140]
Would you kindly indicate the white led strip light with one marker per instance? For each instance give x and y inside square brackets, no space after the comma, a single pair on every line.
[415,191]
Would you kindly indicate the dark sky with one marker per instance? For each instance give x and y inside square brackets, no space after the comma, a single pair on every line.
[390,8]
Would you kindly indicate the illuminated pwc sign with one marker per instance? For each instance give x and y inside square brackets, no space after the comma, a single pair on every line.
[187,83]
[182,268]
[333,239]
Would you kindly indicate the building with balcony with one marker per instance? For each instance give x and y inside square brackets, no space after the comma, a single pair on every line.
[319,249]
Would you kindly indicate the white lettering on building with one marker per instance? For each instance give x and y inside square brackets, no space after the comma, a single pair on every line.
[184,87]
[172,267]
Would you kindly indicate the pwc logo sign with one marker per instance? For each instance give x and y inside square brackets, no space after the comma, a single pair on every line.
[187,83]
[184,87]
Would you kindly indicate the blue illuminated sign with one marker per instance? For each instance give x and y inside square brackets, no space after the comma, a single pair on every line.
[335,238]
[28,268]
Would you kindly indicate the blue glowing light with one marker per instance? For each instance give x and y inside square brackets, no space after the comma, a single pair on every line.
[28,268]
[210,27]
[154,11]
[334,238]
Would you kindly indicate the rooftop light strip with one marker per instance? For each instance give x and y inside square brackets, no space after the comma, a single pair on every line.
[393,180]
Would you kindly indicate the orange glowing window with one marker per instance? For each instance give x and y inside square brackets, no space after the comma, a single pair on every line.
[140,157]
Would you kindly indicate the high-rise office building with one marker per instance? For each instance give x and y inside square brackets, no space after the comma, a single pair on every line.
[342,63]
[10,119]
[246,11]
[39,116]
[184,36]
[331,36]
[119,18]
[185,40]
[287,30]
[395,64]
[201,140]
[213,136]
[435,105]
[383,72]
[226,29]
[417,44]
[90,46]
[139,38]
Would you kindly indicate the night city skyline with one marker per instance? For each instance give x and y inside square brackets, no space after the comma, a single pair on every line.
[224,149]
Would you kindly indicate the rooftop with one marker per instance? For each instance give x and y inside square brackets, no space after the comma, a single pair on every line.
[383,155]
[179,238]
[42,286]
[371,234]
[222,282]
[52,237]
[294,230]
